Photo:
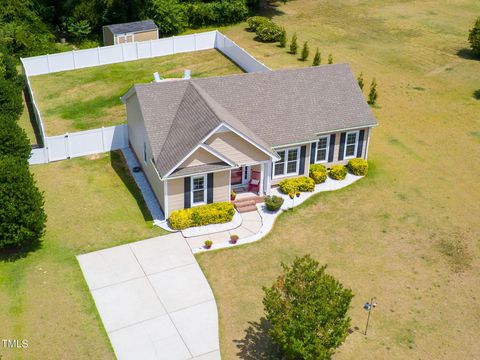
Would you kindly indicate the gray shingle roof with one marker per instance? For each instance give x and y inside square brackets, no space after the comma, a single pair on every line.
[271,108]
[131,27]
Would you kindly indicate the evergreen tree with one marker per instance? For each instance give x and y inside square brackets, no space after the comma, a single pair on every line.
[373,94]
[474,37]
[283,39]
[305,51]
[361,83]
[330,58]
[293,45]
[317,58]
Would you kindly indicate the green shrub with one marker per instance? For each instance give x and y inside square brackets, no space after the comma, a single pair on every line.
[283,39]
[169,15]
[305,51]
[255,21]
[273,203]
[358,166]
[474,37]
[13,140]
[318,173]
[373,94]
[302,183]
[269,32]
[330,58]
[22,218]
[338,172]
[293,44]
[215,213]
[317,59]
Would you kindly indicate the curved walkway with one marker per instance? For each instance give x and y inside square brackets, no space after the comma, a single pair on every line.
[154,300]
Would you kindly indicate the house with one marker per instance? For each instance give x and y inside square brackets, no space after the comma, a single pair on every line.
[129,32]
[197,139]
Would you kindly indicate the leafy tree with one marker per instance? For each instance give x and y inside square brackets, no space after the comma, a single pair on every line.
[305,51]
[11,103]
[317,59]
[361,83]
[13,140]
[293,44]
[330,58]
[307,309]
[474,37]
[373,94]
[169,16]
[22,218]
[77,30]
[269,32]
[283,39]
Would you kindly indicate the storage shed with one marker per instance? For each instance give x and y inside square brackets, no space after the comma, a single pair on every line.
[129,32]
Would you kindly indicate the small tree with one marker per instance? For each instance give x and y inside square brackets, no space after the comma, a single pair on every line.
[283,39]
[13,140]
[474,37]
[330,58]
[317,59]
[293,44]
[373,94]
[361,83]
[305,51]
[307,310]
[22,219]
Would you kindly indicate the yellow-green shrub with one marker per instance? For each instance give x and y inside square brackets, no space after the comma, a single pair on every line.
[302,183]
[318,173]
[215,213]
[338,172]
[358,166]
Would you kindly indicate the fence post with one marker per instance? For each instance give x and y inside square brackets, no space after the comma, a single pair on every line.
[98,55]
[151,52]
[103,139]
[136,48]
[195,42]
[67,145]
[123,51]
[48,63]
[124,136]
[74,60]
[173,44]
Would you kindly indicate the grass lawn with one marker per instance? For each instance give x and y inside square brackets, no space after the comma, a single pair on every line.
[91,204]
[90,98]
[408,233]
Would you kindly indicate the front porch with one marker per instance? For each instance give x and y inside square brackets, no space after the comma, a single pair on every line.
[249,183]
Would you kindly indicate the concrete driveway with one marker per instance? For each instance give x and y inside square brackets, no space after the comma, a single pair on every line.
[154,300]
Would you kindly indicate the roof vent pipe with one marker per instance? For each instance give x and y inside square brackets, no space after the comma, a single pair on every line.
[187,74]
[156,77]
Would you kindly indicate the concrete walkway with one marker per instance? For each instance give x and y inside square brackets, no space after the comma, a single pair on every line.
[154,300]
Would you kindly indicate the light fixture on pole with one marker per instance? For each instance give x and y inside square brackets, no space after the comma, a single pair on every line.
[369,306]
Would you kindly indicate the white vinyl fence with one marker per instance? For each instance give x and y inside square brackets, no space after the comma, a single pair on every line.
[116,137]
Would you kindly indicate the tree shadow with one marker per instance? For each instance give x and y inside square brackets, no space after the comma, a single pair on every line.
[33,122]
[11,254]
[257,343]
[476,94]
[269,9]
[119,164]
[467,54]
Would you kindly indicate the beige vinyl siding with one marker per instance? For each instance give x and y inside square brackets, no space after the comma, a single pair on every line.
[175,196]
[236,148]
[146,35]
[199,157]
[221,186]
[337,148]
[107,37]
[137,136]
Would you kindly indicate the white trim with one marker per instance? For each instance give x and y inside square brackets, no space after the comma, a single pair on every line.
[207,137]
[165,198]
[327,152]
[205,189]
[285,164]
[368,143]
[195,174]
[229,184]
[347,129]
[217,154]
[357,136]
[280,147]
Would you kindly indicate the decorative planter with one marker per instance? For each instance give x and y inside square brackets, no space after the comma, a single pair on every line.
[233,239]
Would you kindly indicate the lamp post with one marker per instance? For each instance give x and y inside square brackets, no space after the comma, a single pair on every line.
[369,306]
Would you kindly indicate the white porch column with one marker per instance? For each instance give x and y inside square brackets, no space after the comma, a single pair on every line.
[261,189]
[267,175]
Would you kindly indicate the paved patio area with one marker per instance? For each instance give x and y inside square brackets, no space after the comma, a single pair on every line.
[154,300]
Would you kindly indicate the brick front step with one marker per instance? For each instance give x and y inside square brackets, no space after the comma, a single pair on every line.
[247,204]
[244,209]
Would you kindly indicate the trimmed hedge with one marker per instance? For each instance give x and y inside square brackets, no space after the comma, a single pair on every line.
[318,173]
[292,186]
[255,21]
[338,172]
[358,166]
[273,203]
[215,213]
[269,32]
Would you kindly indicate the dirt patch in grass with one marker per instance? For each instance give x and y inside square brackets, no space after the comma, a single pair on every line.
[454,247]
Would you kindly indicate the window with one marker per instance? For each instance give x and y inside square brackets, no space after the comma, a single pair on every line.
[288,163]
[351,144]
[199,193]
[322,149]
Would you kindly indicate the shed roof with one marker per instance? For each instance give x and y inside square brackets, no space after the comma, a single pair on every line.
[132,27]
